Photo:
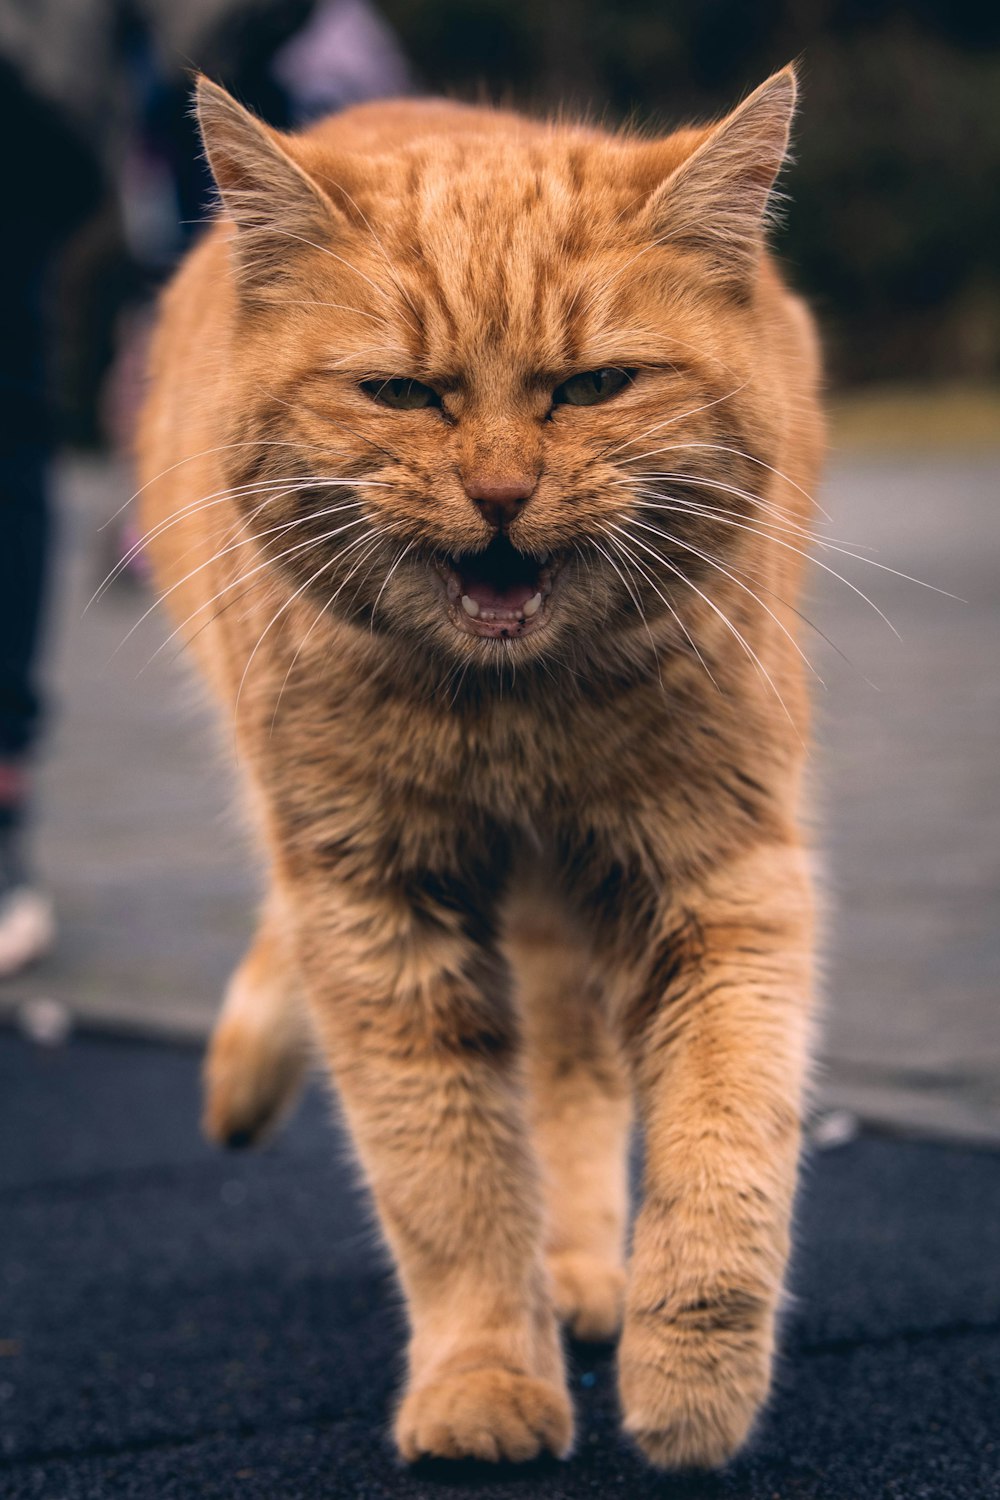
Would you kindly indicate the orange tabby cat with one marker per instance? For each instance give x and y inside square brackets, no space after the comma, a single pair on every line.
[476,461]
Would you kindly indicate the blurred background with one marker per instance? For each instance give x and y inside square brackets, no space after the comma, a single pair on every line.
[115,798]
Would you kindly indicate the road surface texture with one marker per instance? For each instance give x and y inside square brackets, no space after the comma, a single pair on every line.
[177,1324]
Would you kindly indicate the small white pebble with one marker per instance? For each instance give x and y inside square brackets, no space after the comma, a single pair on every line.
[47,1022]
[835,1128]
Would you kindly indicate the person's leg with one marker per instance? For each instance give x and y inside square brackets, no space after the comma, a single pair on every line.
[25,915]
[24,538]
[54,186]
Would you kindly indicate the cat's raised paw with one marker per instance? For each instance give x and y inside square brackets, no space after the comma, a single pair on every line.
[696,1415]
[588,1294]
[491,1414]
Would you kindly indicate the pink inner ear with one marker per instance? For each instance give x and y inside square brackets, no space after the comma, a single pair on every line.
[716,201]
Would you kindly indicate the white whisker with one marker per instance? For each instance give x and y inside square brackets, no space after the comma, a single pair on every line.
[714,563]
[672,421]
[336,306]
[755,578]
[219,497]
[190,459]
[385,582]
[376,533]
[750,652]
[644,484]
[235,583]
[685,508]
[738,453]
[644,571]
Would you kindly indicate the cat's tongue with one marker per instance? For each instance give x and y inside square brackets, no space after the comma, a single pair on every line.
[508,600]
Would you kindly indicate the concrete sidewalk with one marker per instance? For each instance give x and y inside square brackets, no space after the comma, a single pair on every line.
[155,887]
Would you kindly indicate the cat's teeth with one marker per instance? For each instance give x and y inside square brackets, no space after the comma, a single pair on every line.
[470,606]
[532,607]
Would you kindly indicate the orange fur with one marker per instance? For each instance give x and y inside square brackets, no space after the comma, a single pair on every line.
[534,865]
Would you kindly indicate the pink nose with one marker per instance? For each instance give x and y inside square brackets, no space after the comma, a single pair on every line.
[500,501]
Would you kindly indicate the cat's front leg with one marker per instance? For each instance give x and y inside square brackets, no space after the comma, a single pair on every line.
[718,1031]
[412,1008]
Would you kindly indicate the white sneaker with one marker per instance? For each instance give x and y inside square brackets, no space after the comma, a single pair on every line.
[27,928]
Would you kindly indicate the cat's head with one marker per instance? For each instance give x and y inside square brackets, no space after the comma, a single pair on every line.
[540,355]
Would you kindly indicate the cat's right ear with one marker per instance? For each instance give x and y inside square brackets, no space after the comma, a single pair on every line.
[275,205]
[717,202]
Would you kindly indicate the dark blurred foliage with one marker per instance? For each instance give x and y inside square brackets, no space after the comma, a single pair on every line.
[893,220]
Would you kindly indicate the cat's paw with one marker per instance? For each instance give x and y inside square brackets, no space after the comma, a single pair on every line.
[491,1414]
[690,1402]
[588,1294]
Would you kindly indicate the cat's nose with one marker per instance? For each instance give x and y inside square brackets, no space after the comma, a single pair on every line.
[500,501]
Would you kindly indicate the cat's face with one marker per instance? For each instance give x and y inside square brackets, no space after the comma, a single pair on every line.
[506,346]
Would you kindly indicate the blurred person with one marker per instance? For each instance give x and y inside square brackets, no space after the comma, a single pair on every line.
[54,186]
[99,90]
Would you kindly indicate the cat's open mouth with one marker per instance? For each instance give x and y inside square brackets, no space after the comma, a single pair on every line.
[499,593]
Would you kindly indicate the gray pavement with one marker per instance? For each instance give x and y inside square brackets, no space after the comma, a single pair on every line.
[155,883]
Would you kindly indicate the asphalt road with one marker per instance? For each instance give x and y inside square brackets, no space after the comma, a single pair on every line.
[181,1324]
[155,887]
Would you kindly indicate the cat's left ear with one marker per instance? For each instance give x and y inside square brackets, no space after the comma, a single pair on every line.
[716,202]
[275,205]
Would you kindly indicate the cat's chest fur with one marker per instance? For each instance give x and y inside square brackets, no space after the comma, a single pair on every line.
[358,762]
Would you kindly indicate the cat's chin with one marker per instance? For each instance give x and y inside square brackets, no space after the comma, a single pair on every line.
[500,593]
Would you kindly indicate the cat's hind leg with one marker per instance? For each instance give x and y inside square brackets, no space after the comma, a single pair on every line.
[261,1043]
[580,1109]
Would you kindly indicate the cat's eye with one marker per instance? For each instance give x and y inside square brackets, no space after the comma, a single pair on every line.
[591,387]
[401,393]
